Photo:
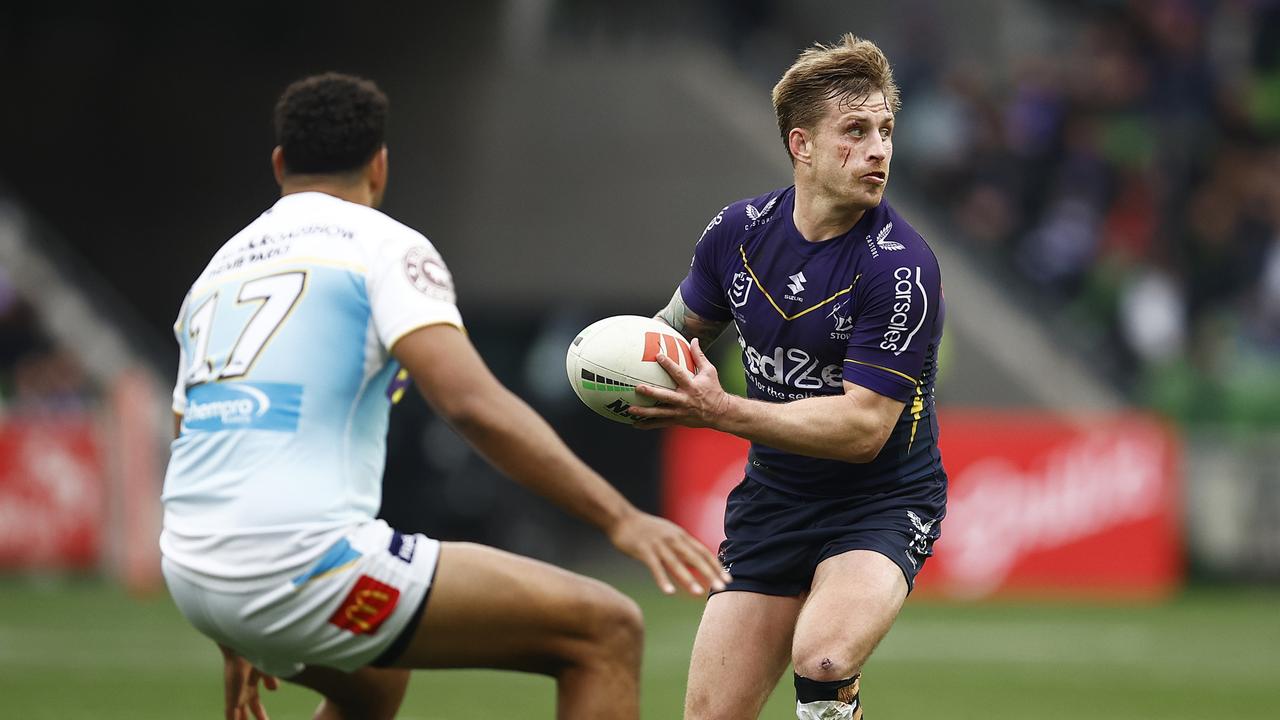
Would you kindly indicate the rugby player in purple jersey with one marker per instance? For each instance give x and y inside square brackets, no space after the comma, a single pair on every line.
[838,305]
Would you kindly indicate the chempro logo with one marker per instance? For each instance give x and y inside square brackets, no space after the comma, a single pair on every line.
[243,406]
[239,405]
[910,306]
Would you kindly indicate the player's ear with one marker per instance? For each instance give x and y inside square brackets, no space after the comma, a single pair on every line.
[377,172]
[277,164]
[800,145]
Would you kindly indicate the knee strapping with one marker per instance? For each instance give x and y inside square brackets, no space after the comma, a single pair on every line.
[828,700]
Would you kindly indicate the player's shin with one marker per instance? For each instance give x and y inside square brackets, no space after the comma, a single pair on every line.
[827,700]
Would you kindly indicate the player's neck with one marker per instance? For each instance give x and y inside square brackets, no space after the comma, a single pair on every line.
[818,219]
[358,193]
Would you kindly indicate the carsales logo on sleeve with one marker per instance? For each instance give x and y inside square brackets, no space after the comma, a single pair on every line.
[427,273]
[901,331]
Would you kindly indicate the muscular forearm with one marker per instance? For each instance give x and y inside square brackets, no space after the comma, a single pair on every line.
[678,315]
[833,427]
[517,441]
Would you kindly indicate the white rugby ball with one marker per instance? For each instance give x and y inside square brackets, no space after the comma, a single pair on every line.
[611,356]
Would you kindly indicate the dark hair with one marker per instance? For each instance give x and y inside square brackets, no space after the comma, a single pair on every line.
[330,123]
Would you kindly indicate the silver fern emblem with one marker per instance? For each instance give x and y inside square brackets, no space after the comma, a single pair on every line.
[757,213]
[888,245]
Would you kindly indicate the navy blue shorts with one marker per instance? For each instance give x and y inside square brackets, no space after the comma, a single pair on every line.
[775,539]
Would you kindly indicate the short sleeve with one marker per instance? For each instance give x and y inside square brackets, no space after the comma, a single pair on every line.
[898,308]
[701,289]
[410,287]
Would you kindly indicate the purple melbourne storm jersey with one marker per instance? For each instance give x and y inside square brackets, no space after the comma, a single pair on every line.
[864,307]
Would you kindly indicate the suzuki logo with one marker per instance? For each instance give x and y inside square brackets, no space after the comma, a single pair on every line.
[797,282]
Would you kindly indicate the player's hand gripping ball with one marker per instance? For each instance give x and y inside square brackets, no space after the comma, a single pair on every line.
[611,356]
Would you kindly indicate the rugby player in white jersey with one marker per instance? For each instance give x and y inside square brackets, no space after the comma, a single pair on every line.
[291,343]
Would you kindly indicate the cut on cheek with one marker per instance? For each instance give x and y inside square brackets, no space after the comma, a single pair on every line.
[845,152]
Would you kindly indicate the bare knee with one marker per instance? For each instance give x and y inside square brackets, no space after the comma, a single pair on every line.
[826,664]
[611,627]
[619,625]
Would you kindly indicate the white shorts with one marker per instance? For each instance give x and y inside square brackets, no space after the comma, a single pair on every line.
[341,612]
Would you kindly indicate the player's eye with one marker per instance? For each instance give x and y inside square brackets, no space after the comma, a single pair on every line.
[857,131]
[886,132]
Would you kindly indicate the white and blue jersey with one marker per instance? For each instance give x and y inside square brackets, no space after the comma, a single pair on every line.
[285,382]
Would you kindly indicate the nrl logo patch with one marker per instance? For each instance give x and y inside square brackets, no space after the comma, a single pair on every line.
[740,289]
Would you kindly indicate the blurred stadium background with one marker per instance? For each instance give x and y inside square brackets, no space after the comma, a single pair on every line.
[1100,179]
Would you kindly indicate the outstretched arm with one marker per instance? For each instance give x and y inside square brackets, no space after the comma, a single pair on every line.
[852,427]
[516,440]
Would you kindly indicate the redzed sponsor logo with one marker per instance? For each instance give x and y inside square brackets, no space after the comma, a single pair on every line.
[676,348]
[366,607]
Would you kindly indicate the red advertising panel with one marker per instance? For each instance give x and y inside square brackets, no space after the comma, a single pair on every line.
[1038,504]
[1046,504]
[699,468]
[51,494]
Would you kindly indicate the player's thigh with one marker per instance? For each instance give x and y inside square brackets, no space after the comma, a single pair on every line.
[490,608]
[739,653]
[369,692]
[853,602]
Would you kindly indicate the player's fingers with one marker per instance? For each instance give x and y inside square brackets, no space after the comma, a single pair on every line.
[660,394]
[675,566]
[701,561]
[674,369]
[232,697]
[270,682]
[656,412]
[259,712]
[659,572]
[715,570]
[700,360]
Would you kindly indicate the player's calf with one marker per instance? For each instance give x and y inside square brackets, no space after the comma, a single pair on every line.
[828,699]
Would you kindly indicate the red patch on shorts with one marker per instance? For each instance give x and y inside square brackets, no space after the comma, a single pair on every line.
[366,607]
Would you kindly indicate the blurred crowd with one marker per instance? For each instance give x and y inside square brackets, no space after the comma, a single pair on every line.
[37,375]
[1130,173]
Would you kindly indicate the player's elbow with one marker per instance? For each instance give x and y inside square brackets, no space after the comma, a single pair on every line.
[479,413]
[865,443]
[465,411]
[863,451]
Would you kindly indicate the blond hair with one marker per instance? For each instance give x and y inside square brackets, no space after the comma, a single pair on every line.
[846,72]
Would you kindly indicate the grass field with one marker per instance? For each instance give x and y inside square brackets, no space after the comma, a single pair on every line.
[87,650]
